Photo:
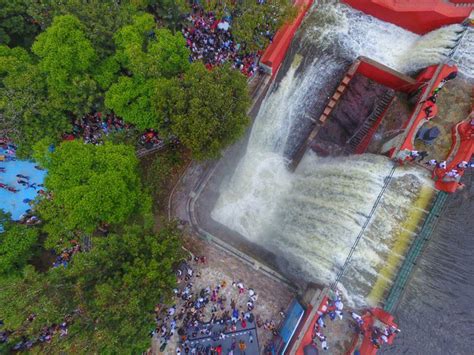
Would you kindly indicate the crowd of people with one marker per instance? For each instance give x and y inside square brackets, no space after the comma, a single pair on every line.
[332,309]
[206,321]
[92,128]
[150,139]
[379,334]
[453,174]
[210,40]
[46,334]
[9,151]
[66,255]
[8,155]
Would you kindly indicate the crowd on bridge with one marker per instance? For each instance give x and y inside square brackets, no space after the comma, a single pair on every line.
[210,39]
[331,308]
[453,174]
[379,334]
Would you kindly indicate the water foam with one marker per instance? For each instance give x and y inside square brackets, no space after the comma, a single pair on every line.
[312,217]
[359,34]
[464,54]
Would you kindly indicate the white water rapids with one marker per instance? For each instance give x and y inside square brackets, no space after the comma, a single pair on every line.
[464,54]
[312,217]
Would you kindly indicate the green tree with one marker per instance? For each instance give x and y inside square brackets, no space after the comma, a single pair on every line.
[253,20]
[148,55]
[26,112]
[130,98]
[169,11]
[42,151]
[149,52]
[16,26]
[106,73]
[90,185]
[47,295]
[156,171]
[211,111]
[110,292]
[66,58]
[101,18]
[136,272]
[222,7]
[16,247]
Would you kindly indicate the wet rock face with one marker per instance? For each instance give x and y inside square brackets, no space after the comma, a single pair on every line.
[354,107]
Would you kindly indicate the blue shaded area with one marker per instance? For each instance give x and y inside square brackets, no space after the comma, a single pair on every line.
[16,202]
[293,317]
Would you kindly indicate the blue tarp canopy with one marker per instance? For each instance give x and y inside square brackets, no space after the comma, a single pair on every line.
[293,318]
[17,203]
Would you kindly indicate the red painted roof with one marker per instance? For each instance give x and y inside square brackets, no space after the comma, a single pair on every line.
[419,16]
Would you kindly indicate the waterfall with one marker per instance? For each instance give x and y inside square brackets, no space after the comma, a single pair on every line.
[464,54]
[360,34]
[431,48]
[311,218]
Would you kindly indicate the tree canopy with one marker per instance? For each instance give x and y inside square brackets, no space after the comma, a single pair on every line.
[254,23]
[109,292]
[28,114]
[66,57]
[90,185]
[101,18]
[207,109]
[17,244]
[147,54]
[17,27]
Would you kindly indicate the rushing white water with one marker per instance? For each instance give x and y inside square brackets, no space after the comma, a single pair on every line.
[312,217]
[359,34]
[464,54]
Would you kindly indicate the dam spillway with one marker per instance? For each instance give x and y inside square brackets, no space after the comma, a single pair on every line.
[309,219]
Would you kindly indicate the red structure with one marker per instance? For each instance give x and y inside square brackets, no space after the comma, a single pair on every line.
[416,15]
[424,110]
[375,71]
[308,336]
[386,76]
[276,51]
[375,317]
[462,150]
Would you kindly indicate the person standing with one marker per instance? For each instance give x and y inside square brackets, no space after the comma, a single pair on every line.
[422,155]
[242,346]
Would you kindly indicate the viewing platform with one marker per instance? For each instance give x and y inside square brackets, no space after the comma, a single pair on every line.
[461,151]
